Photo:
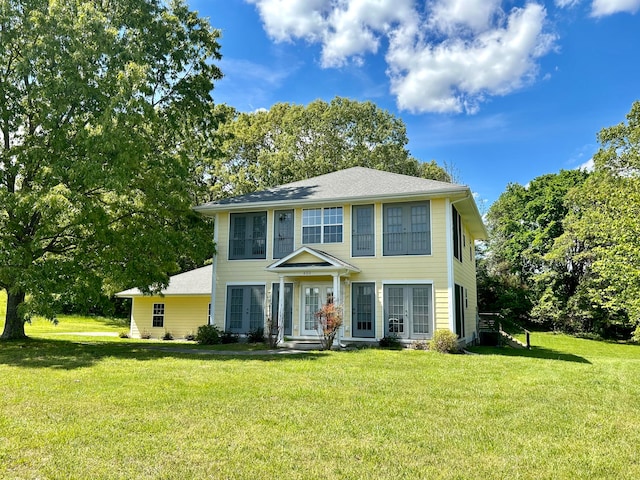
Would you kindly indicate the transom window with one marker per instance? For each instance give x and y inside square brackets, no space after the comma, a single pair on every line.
[322,225]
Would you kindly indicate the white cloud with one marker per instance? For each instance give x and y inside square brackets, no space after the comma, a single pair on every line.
[457,74]
[443,56]
[567,3]
[450,16]
[600,8]
[285,20]
[587,166]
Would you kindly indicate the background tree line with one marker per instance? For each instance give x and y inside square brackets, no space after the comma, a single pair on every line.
[564,251]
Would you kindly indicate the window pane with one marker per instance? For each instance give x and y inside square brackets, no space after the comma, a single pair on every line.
[311,306]
[312,217]
[333,234]
[421,309]
[311,234]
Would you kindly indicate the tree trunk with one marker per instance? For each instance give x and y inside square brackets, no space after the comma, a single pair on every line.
[14,322]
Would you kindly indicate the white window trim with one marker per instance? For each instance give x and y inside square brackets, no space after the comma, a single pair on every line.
[322,225]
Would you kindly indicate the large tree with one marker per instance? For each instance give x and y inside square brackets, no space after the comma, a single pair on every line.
[603,227]
[97,99]
[524,224]
[290,142]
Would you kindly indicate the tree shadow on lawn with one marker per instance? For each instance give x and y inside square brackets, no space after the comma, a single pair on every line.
[68,355]
[534,352]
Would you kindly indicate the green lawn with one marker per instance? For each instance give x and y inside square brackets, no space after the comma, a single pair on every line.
[80,407]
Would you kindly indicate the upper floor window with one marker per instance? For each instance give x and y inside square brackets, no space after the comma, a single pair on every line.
[458,238]
[248,235]
[282,233]
[363,237]
[322,225]
[407,228]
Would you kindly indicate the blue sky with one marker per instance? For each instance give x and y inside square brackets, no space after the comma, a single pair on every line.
[504,91]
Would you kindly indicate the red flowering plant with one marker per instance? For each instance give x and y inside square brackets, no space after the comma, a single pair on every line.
[329,319]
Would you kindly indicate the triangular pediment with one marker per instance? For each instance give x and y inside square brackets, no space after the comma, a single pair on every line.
[307,258]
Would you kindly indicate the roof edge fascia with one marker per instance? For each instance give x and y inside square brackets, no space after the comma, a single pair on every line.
[205,209]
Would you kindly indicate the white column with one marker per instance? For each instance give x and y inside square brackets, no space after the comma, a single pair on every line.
[281,310]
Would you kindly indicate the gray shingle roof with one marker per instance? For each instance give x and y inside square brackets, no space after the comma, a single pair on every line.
[349,184]
[193,282]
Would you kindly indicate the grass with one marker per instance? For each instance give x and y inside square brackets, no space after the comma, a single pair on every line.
[114,408]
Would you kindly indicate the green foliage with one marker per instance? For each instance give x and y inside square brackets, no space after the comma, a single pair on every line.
[229,338]
[123,334]
[636,335]
[444,341]
[517,277]
[570,243]
[256,336]
[390,341]
[208,335]
[167,335]
[292,142]
[98,107]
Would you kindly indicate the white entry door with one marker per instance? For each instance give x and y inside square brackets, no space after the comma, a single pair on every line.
[313,298]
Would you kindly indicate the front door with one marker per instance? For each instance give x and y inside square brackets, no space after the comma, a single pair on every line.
[313,297]
[408,310]
[363,311]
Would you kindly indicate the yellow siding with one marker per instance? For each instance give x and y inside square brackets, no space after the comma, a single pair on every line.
[183,315]
[465,276]
[379,269]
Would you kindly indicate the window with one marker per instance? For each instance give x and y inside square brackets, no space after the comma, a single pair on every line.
[248,235]
[245,308]
[322,225]
[282,233]
[459,299]
[458,238]
[158,315]
[407,229]
[363,238]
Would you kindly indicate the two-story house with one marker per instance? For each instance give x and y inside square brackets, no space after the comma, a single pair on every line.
[396,252]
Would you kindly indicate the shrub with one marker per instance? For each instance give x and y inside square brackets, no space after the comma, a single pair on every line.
[167,335]
[190,336]
[256,336]
[444,341]
[208,335]
[420,345]
[390,341]
[145,335]
[636,335]
[329,319]
[123,334]
[229,337]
